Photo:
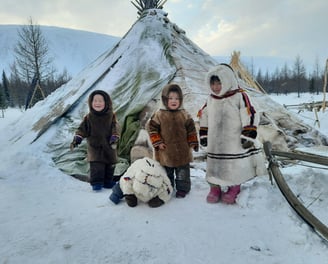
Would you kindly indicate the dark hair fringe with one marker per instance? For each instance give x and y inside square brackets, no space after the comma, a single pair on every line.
[214,78]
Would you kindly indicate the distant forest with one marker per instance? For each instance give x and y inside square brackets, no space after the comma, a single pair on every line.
[291,79]
[16,93]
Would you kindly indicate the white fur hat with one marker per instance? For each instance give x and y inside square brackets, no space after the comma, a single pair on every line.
[226,75]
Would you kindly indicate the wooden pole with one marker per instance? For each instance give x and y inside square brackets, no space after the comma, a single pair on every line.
[325,87]
[316,117]
[240,69]
[37,87]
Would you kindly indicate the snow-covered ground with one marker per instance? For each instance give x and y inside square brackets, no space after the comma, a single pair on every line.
[49,217]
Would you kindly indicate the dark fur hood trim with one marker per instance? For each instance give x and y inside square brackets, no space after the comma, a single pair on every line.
[108,102]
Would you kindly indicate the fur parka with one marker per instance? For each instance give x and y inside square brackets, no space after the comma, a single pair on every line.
[222,120]
[146,179]
[176,129]
[97,128]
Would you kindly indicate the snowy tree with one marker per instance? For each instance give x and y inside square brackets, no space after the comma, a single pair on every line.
[316,76]
[6,93]
[32,54]
[32,62]
[299,73]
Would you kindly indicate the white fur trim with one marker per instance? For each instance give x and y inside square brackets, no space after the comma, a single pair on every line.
[227,77]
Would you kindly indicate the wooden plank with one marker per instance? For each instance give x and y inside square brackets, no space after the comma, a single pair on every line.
[302,156]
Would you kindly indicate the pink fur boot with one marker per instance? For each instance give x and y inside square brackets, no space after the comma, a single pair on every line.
[230,196]
[214,194]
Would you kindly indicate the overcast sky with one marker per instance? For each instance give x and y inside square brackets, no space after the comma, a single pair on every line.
[285,28]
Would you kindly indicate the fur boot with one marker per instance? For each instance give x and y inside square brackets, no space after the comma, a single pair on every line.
[155,202]
[131,200]
[214,194]
[230,196]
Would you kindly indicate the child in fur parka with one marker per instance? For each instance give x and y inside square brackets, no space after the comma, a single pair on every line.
[228,127]
[101,130]
[173,135]
[145,180]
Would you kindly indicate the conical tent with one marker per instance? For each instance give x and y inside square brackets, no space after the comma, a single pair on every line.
[153,53]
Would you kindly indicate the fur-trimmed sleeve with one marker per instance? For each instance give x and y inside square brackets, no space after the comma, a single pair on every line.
[203,121]
[191,132]
[153,127]
[248,114]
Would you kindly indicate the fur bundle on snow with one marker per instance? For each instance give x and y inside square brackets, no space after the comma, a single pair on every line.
[146,179]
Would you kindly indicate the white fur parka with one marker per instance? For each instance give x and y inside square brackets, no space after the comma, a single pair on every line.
[146,179]
[223,117]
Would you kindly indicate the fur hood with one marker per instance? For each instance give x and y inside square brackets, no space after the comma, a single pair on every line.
[226,75]
[165,95]
[108,102]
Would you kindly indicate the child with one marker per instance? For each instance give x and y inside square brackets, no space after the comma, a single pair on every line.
[101,130]
[173,134]
[228,127]
[145,180]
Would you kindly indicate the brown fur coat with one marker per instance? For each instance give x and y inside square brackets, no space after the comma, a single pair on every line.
[174,128]
[97,128]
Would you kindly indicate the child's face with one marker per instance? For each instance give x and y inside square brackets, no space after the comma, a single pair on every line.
[173,102]
[216,87]
[98,103]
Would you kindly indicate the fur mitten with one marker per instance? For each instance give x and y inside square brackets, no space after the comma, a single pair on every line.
[248,134]
[203,141]
[249,131]
[113,139]
[76,141]
[203,136]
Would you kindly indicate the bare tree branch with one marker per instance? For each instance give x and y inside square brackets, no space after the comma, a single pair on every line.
[31,54]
